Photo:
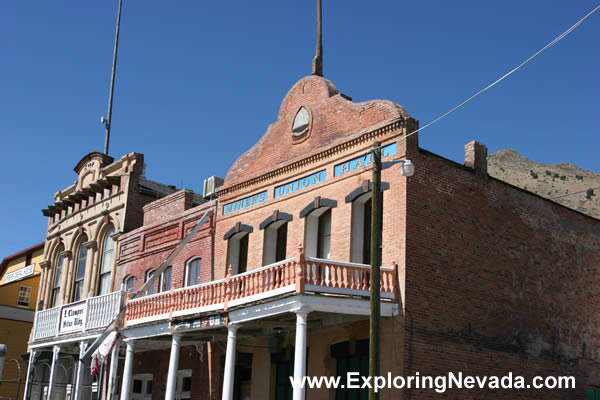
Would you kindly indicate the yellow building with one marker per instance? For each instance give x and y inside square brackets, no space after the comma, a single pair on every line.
[19,284]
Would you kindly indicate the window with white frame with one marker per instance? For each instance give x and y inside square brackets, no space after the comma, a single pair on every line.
[108,249]
[24,297]
[318,233]
[165,279]
[361,199]
[192,272]
[128,282]
[149,274]
[237,253]
[80,270]
[60,260]
[275,242]
[361,229]
[183,388]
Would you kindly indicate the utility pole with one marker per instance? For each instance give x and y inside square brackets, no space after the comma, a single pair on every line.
[375,318]
[107,122]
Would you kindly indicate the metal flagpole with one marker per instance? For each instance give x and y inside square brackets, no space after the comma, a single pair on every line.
[107,122]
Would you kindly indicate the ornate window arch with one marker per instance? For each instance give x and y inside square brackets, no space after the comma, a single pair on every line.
[192,271]
[80,266]
[149,274]
[129,283]
[56,279]
[106,262]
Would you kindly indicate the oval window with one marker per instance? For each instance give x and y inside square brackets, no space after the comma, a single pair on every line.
[301,121]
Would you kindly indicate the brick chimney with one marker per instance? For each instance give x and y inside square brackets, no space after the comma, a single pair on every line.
[476,157]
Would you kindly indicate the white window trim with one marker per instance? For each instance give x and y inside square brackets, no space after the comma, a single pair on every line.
[28,297]
[186,269]
[179,394]
[357,227]
[233,251]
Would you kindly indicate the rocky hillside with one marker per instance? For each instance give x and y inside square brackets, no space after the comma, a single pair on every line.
[564,183]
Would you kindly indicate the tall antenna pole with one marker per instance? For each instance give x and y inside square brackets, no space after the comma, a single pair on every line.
[107,122]
[317,68]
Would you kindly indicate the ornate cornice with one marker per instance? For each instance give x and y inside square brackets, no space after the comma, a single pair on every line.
[316,157]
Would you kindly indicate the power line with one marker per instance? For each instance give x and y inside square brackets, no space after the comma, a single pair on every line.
[546,47]
[571,194]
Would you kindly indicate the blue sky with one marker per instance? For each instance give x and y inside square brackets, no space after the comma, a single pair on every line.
[199,82]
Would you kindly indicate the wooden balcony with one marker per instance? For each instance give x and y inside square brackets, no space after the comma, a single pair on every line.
[296,275]
[80,317]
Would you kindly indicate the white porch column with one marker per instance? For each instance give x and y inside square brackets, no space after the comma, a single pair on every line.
[300,353]
[112,377]
[127,369]
[80,371]
[53,371]
[229,363]
[29,377]
[173,365]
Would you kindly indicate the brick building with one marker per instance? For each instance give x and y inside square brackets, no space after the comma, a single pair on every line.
[478,276]
[76,296]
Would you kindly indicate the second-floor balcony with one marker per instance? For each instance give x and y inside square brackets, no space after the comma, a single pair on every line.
[94,313]
[298,275]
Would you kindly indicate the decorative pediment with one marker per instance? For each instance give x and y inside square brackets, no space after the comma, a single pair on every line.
[313,116]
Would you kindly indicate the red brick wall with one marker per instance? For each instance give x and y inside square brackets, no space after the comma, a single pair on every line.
[334,119]
[148,246]
[332,188]
[164,209]
[497,280]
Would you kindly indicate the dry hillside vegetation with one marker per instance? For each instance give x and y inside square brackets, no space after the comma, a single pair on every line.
[559,182]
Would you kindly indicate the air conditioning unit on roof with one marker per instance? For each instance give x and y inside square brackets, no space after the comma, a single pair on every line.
[210,187]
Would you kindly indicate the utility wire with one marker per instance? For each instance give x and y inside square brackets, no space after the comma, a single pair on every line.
[546,47]
[571,194]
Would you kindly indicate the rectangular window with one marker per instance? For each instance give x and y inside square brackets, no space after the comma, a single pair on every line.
[350,359]
[183,387]
[283,386]
[237,253]
[275,242]
[24,296]
[317,238]
[361,229]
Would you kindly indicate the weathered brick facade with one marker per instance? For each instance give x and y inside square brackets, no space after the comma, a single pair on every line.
[492,279]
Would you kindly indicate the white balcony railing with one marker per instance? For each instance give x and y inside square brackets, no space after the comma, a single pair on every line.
[92,313]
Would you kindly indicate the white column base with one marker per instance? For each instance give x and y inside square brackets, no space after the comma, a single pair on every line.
[300,354]
[229,363]
[127,370]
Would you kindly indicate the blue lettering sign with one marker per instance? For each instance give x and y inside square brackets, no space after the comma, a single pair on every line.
[299,184]
[363,161]
[245,203]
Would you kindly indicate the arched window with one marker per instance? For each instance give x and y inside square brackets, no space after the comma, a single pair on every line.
[192,272]
[165,279]
[129,282]
[108,249]
[150,274]
[80,270]
[60,260]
